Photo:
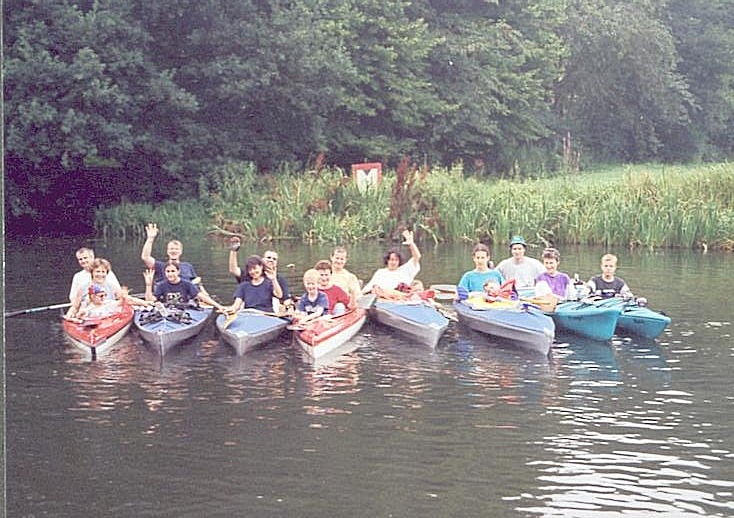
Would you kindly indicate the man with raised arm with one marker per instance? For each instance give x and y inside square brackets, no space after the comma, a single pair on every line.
[174,250]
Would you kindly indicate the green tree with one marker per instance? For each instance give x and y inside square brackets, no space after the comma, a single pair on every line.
[704,39]
[81,97]
[620,93]
[495,69]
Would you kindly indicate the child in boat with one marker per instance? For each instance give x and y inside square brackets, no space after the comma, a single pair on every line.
[258,289]
[474,280]
[607,284]
[553,282]
[312,304]
[99,305]
[339,300]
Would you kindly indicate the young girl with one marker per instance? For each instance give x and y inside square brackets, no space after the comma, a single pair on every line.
[174,290]
[258,288]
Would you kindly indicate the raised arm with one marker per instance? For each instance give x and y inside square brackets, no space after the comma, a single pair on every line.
[151,231]
[415,254]
[234,246]
[149,274]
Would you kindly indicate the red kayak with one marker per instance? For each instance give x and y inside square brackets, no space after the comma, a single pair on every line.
[324,336]
[98,334]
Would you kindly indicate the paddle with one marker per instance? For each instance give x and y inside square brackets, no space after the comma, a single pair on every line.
[36,310]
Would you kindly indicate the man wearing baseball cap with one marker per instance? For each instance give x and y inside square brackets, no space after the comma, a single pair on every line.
[519,267]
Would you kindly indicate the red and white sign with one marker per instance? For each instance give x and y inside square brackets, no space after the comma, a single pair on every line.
[367,175]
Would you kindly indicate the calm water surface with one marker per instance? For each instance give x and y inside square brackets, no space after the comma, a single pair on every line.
[626,428]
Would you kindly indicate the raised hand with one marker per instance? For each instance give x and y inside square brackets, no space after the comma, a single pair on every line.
[151,230]
[408,236]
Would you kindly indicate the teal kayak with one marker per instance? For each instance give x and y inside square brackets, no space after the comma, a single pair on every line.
[587,319]
[636,319]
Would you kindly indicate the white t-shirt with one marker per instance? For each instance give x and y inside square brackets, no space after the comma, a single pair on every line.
[524,272]
[83,279]
[390,279]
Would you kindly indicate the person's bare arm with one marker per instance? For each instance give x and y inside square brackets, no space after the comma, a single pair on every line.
[151,231]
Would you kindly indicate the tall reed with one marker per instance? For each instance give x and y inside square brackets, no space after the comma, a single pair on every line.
[645,205]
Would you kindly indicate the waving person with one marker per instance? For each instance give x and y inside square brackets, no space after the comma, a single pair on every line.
[395,272]
[258,289]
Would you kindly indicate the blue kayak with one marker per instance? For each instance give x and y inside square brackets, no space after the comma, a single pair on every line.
[635,319]
[524,326]
[249,329]
[165,328]
[587,319]
[420,321]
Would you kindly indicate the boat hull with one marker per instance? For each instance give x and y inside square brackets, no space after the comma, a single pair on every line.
[586,319]
[325,337]
[421,321]
[638,320]
[167,333]
[527,328]
[103,334]
[250,329]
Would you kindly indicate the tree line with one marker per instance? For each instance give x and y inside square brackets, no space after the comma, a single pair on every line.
[108,100]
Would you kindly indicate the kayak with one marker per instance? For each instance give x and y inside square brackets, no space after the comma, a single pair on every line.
[419,320]
[637,319]
[165,328]
[97,335]
[324,336]
[587,319]
[249,329]
[523,325]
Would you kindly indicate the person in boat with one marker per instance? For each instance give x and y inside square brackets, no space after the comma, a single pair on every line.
[174,290]
[101,290]
[395,271]
[342,277]
[314,303]
[607,284]
[339,301]
[552,281]
[270,259]
[82,278]
[520,267]
[259,287]
[475,280]
[174,251]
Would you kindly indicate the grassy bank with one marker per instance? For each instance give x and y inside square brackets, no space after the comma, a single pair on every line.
[645,205]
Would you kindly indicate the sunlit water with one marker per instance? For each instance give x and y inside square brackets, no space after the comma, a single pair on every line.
[392,428]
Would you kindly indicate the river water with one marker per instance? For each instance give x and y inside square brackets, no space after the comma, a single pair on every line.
[472,428]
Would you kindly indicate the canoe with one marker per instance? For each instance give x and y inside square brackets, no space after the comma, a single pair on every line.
[166,331]
[97,335]
[587,319]
[326,336]
[418,320]
[523,326]
[637,319]
[249,329]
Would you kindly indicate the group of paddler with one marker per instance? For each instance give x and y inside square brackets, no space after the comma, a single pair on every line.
[330,289]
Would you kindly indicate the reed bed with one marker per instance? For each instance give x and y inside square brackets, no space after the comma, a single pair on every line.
[633,206]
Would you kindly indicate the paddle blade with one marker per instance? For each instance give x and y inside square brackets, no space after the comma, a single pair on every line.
[228,320]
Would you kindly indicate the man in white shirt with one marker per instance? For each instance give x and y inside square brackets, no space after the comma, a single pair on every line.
[523,269]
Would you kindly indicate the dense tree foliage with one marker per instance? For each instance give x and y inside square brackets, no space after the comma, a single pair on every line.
[106,100]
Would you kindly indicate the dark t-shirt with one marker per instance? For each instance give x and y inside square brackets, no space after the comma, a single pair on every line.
[256,297]
[179,293]
[281,281]
[607,289]
[309,306]
[187,271]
